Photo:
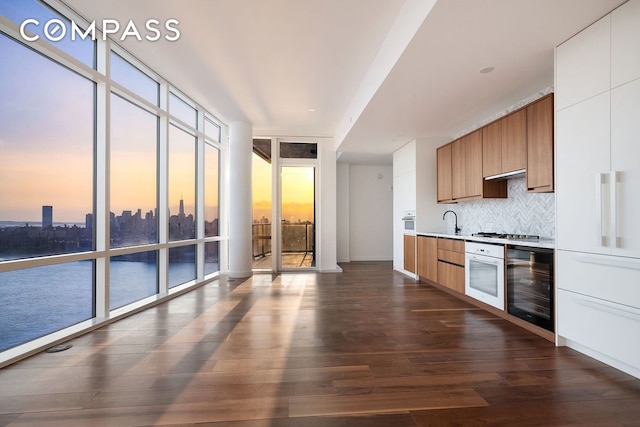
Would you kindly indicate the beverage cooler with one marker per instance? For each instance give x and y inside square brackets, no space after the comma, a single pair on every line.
[530,285]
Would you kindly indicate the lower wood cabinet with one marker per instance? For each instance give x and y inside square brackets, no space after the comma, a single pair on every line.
[451,264]
[427,258]
[451,276]
[410,253]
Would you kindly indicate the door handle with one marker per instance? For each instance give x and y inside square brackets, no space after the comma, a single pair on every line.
[601,239]
[613,187]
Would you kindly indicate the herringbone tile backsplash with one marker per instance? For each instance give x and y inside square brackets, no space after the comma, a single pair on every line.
[521,213]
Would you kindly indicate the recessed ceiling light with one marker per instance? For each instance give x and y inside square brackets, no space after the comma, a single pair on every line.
[487,70]
[312,110]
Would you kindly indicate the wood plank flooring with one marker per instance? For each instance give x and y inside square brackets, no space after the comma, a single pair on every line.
[368,347]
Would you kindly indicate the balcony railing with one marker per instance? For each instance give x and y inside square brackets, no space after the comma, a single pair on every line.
[296,238]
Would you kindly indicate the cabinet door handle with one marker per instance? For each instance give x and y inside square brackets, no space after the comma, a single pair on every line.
[609,261]
[601,238]
[610,307]
[613,187]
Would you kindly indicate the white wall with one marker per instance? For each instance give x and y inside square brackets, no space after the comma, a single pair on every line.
[342,193]
[370,213]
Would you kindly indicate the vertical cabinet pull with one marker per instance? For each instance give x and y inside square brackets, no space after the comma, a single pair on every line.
[613,187]
[607,235]
[601,239]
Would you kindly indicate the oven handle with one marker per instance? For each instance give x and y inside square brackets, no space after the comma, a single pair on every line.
[485,259]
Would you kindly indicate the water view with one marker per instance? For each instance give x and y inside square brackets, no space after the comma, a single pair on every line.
[38,301]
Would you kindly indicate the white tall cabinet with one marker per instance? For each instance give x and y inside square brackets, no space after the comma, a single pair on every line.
[598,189]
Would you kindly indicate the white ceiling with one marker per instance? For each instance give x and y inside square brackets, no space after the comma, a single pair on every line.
[378,72]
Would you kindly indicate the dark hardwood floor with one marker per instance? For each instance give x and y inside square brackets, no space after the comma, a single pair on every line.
[368,347]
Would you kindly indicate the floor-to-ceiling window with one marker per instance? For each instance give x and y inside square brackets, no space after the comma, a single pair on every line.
[109,182]
[211,187]
[46,194]
[133,201]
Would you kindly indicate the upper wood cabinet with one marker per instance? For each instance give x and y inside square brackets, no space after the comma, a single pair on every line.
[458,161]
[514,141]
[467,166]
[443,155]
[492,149]
[522,140]
[463,179]
[473,164]
[540,145]
[504,144]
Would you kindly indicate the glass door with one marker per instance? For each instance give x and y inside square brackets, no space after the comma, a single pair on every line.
[298,217]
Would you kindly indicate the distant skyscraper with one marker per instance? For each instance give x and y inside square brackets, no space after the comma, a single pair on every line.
[181,213]
[47,216]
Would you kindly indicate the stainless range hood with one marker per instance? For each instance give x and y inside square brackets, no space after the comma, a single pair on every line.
[520,173]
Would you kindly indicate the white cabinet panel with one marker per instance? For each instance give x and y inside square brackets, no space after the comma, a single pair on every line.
[583,64]
[625,43]
[582,150]
[625,160]
[609,278]
[609,329]
[404,159]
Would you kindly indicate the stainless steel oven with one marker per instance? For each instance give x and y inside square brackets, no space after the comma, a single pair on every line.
[484,273]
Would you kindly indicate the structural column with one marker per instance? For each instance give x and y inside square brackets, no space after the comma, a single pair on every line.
[240,213]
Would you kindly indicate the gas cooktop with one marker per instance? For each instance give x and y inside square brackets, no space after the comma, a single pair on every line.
[507,236]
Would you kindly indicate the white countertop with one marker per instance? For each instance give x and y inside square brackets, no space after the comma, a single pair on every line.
[541,243]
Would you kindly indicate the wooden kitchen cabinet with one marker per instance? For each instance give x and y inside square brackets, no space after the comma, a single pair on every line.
[451,276]
[540,145]
[410,253]
[443,155]
[504,144]
[466,174]
[451,264]
[473,164]
[492,149]
[427,256]
[466,161]
[458,157]
[514,141]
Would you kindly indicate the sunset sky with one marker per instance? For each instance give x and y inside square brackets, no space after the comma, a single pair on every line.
[46,139]
[297,191]
[46,151]
[47,146]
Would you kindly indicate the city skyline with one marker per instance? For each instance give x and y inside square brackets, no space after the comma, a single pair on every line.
[123,212]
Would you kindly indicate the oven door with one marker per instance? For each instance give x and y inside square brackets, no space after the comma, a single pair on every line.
[409,223]
[484,279]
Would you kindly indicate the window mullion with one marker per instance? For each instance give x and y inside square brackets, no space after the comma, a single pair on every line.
[163,191]
[102,208]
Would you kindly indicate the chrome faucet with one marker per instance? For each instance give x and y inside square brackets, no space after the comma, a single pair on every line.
[456,229]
